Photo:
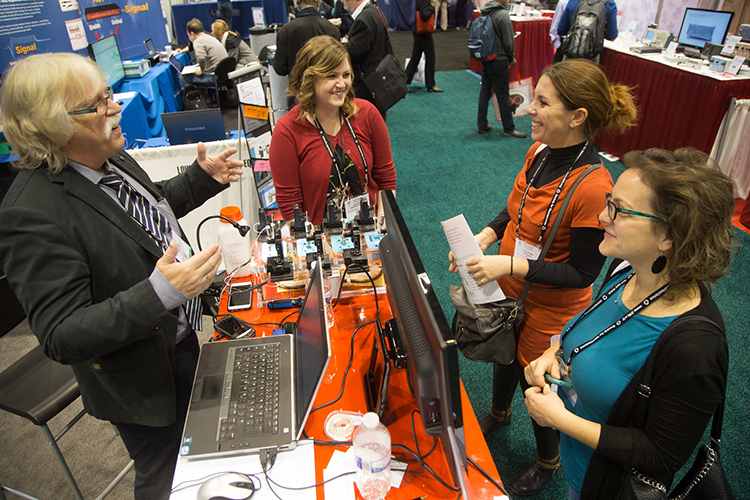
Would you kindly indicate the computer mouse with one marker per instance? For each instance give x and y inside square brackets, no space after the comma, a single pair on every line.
[229,486]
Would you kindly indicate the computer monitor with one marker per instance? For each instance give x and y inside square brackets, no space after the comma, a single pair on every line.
[702,25]
[106,53]
[150,47]
[431,351]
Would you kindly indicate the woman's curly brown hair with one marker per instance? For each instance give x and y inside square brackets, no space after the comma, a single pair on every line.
[696,203]
[318,57]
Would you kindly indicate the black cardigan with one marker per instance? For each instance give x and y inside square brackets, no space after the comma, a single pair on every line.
[688,384]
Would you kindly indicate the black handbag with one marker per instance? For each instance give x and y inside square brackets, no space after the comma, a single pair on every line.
[488,332]
[387,84]
[706,479]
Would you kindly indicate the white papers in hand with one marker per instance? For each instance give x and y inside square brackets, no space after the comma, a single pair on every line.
[465,247]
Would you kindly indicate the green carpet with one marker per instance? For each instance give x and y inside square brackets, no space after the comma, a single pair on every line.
[444,169]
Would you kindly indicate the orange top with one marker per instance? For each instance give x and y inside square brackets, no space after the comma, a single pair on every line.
[548,309]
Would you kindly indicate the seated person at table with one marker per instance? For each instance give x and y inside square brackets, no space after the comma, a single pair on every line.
[233,44]
[208,52]
[330,146]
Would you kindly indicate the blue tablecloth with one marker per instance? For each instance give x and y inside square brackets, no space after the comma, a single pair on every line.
[161,92]
[134,122]
[242,18]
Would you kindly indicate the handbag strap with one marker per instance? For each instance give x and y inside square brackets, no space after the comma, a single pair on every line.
[553,231]
[385,25]
[644,388]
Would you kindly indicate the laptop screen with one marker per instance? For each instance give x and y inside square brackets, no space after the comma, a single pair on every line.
[311,346]
[150,48]
[176,63]
[192,127]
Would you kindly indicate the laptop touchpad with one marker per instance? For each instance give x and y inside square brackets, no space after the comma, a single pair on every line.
[211,388]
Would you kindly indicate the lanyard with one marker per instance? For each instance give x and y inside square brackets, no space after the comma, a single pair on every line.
[638,308]
[552,203]
[329,148]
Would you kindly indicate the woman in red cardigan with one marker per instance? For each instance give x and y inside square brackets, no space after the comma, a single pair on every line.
[330,146]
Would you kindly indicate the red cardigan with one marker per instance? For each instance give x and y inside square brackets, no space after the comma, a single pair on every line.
[301,165]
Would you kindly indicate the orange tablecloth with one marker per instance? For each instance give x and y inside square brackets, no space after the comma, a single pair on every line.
[534,51]
[349,314]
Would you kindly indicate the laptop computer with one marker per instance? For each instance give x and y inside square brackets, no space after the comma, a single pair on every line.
[223,419]
[150,47]
[181,68]
[192,127]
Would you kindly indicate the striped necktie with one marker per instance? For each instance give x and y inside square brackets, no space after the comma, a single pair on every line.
[155,224]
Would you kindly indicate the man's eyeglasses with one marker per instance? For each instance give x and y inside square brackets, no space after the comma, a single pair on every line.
[613,210]
[95,108]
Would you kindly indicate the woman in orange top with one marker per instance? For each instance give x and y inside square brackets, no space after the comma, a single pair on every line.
[573,100]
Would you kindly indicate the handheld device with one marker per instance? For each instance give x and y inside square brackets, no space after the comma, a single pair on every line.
[552,380]
[240,296]
[233,327]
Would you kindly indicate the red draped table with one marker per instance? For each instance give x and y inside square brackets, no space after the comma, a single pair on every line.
[534,51]
[676,107]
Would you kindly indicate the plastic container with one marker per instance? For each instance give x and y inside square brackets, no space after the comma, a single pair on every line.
[372,456]
[235,249]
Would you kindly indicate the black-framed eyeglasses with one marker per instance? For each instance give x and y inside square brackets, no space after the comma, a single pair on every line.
[95,108]
[613,210]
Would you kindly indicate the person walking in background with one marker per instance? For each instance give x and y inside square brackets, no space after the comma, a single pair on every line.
[368,44]
[555,38]
[609,32]
[331,147]
[462,22]
[233,44]
[423,43]
[294,34]
[341,18]
[225,11]
[495,73]
[441,9]
[669,216]
[572,101]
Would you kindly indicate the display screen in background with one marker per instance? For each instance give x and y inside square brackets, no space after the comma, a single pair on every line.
[700,26]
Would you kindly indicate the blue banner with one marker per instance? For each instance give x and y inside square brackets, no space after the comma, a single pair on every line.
[34,26]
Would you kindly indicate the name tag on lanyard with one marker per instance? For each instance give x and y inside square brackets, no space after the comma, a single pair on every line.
[526,250]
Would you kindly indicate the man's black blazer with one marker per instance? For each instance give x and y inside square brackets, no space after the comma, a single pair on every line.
[368,45]
[79,265]
[294,34]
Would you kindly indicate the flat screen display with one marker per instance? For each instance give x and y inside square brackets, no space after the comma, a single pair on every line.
[106,53]
[700,26]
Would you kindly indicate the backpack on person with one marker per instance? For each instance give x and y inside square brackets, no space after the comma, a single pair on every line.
[482,42]
[585,40]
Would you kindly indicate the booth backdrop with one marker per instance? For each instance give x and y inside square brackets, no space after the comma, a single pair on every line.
[34,26]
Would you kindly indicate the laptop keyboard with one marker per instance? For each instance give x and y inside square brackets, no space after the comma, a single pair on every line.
[252,392]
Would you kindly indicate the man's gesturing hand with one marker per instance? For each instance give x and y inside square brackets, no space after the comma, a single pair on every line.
[195,274]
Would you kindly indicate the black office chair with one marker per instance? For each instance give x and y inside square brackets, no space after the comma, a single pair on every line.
[37,389]
[221,80]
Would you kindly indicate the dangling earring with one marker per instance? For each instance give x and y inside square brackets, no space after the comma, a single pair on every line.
[659,264]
